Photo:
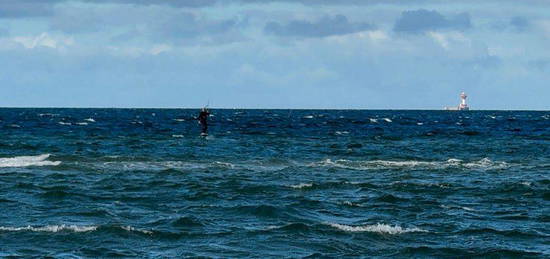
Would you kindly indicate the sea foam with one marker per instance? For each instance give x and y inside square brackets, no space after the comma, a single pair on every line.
[51,228]
[376,228]
[483,164]
[23,161]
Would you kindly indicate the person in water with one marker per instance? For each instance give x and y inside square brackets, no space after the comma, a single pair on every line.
[203,120]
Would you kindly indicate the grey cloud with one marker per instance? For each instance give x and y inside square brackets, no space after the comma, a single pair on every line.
[26,8]
[175,3]
[419,21]
[186,27]
[540,64]
[519,23]
[326,26]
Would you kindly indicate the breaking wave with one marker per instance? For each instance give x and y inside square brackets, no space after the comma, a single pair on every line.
[376,228]
[484,164]
[302,185]
[51,228]
[23,161]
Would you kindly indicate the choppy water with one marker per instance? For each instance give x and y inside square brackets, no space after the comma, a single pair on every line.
[274,183]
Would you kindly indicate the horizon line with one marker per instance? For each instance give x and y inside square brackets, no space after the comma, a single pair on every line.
[244,108]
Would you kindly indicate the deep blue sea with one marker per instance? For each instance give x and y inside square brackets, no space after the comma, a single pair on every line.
[96,183]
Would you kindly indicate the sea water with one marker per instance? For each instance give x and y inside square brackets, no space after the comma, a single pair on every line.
[88,183]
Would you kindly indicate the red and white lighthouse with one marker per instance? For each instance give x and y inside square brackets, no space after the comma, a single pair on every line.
[463,106]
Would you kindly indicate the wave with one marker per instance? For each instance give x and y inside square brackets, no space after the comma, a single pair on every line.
[51,228]
[376,228]
[23,161]
[302,185]
[89,120]
[183,165]
[484,163]
[133,229]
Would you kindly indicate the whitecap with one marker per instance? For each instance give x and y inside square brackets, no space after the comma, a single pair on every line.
[483,164]
[48,114]
[133,229]
[177,136]
[89,120]
[376,228]
[387,119]
[224,164]
[419,123]
[82,123]
[51,228]
[308,117]
[486,163]
[23,161]
[373,120]
[302,185]
[457,207]
[341,132]
[65,123]
[179,120]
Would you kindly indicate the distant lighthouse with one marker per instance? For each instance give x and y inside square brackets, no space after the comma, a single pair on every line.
[462,106]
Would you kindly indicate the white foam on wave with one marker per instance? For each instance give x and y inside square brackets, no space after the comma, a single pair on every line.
[89,120]
[302,185]
[65,123]
[224,164]
[376,228]
[177,136]
[82,123]
[133,229]
[23,161]
[181,165]
[308,117]
[51,228]
[457,207]
[373,120]
[483,164]
[388,120]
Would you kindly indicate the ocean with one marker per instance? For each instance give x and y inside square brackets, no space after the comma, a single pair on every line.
[96,183]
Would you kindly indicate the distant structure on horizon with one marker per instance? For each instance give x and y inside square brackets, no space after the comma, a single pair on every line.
[462,106]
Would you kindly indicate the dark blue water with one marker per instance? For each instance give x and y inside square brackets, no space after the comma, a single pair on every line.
[274,183]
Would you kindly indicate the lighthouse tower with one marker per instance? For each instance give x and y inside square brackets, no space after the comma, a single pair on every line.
[463,106]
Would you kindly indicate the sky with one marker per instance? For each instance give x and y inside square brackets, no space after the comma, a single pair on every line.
[322,54]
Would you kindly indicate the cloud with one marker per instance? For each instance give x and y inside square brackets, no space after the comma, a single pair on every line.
[422,20]
[175,3]
[26,8]
[186,26]
[44,40]
[519,23]
[326,26]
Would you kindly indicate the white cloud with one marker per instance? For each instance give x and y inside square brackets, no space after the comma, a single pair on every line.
[157,49]
[448,40]
[44,40]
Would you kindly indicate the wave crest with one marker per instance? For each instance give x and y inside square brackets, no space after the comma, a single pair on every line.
[484,164]
[51,228]
[24,161]
[376,228]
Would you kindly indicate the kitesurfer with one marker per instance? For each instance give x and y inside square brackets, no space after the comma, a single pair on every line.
[203,120]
